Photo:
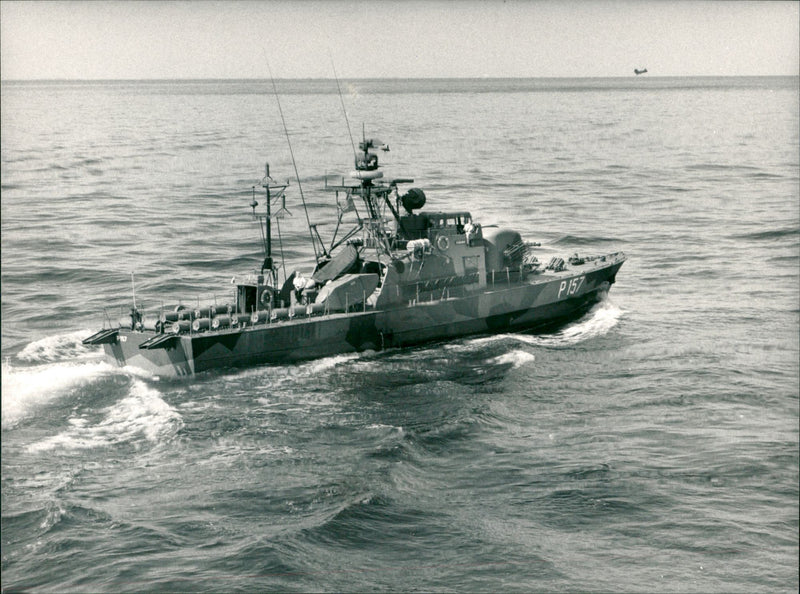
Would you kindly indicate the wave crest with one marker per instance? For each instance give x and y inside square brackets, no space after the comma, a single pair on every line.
[26,390]
[57,348]
[516,358]
[142,413]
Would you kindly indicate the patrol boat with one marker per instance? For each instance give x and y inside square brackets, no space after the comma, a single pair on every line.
[399,276]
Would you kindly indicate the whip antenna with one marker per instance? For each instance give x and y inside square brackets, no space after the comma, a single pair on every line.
[344,110]
[133,290]
[294,163]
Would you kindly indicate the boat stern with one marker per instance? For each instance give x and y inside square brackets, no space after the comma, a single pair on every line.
[164,355]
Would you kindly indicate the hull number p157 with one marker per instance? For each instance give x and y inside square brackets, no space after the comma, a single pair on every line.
[570,287]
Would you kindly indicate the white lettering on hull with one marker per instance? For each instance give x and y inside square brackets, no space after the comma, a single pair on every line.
[569,288]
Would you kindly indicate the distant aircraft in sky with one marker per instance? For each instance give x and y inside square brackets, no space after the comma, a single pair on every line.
[637,72]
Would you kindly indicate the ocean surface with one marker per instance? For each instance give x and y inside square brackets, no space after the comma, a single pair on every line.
[651,445]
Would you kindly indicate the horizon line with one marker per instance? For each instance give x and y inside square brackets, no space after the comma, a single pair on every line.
[391,78]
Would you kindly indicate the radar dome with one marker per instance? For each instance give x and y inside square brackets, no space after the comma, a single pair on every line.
[414,199]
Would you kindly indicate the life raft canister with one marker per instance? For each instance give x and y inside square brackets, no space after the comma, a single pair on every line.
[443,243]
[419,247]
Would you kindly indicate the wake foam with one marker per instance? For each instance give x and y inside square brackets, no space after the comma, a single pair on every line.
[141,414]
[597,322]
[25,390]
[321,365]
[516,358]
[58,348]
[291,372]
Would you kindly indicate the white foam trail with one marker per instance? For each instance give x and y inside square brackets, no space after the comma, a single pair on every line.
[602,318]
[598,321]
[516,358]
[143,413]
[479,341]
[382,427]
[292,371]
[320,365]
[139,372]
[27,389]
[55,512]
[57,348]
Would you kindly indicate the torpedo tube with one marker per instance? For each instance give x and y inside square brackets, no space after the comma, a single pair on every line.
[224,321]
[212,310]
[259,317]
[180,326]
[201,324]
[174,316]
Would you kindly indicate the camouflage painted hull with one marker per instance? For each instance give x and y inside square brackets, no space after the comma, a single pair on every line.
[540,300]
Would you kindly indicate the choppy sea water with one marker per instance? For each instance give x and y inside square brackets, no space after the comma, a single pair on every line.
[651,445]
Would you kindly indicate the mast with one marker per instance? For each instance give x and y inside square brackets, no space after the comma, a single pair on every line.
[268,252]
[374,193]
[367,170]
[273,191]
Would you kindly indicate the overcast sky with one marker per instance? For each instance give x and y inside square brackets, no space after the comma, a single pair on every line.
[489,38]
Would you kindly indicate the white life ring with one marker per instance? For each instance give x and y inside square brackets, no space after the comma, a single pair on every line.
[266,297]
[443,243]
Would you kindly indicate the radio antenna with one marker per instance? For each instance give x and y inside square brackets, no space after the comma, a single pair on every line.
[294,163]
[133,290]
[344,110]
